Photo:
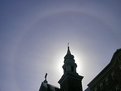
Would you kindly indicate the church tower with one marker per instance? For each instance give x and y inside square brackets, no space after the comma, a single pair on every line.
[71,80]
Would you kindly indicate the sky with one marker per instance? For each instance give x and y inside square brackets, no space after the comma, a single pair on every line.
[34,35]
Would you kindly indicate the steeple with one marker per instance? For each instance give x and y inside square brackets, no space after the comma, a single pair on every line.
[70,81]
[69,62]
[68,51]
[68,55]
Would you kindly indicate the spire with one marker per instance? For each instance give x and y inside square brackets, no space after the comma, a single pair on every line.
[68,55]
[68,51]
[70,81]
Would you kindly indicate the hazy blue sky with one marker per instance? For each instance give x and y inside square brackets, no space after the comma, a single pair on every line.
[34,36]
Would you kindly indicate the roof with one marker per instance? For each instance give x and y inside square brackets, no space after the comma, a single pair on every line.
[48,87]
[106,69]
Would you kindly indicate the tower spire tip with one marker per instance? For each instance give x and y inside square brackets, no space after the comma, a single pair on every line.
[68,44]
[68,52]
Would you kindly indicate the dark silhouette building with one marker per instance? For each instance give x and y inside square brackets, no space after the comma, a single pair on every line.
[48,87]
[70,81]
[109,79]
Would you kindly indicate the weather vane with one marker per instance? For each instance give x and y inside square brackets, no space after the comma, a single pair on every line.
[68,44]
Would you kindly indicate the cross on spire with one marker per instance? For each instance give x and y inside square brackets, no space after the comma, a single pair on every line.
[68,44]
[68,51]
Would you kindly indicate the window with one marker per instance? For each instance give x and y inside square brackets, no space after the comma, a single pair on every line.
[101,86]
[120,67]
[95,89]
[106,80]
[117,88]
[112,75]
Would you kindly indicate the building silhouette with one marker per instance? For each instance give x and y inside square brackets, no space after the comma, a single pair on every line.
[109,79]
[48,87]
[70,80]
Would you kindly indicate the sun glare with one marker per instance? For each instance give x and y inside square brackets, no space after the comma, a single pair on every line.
[78,60]
[60,63]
